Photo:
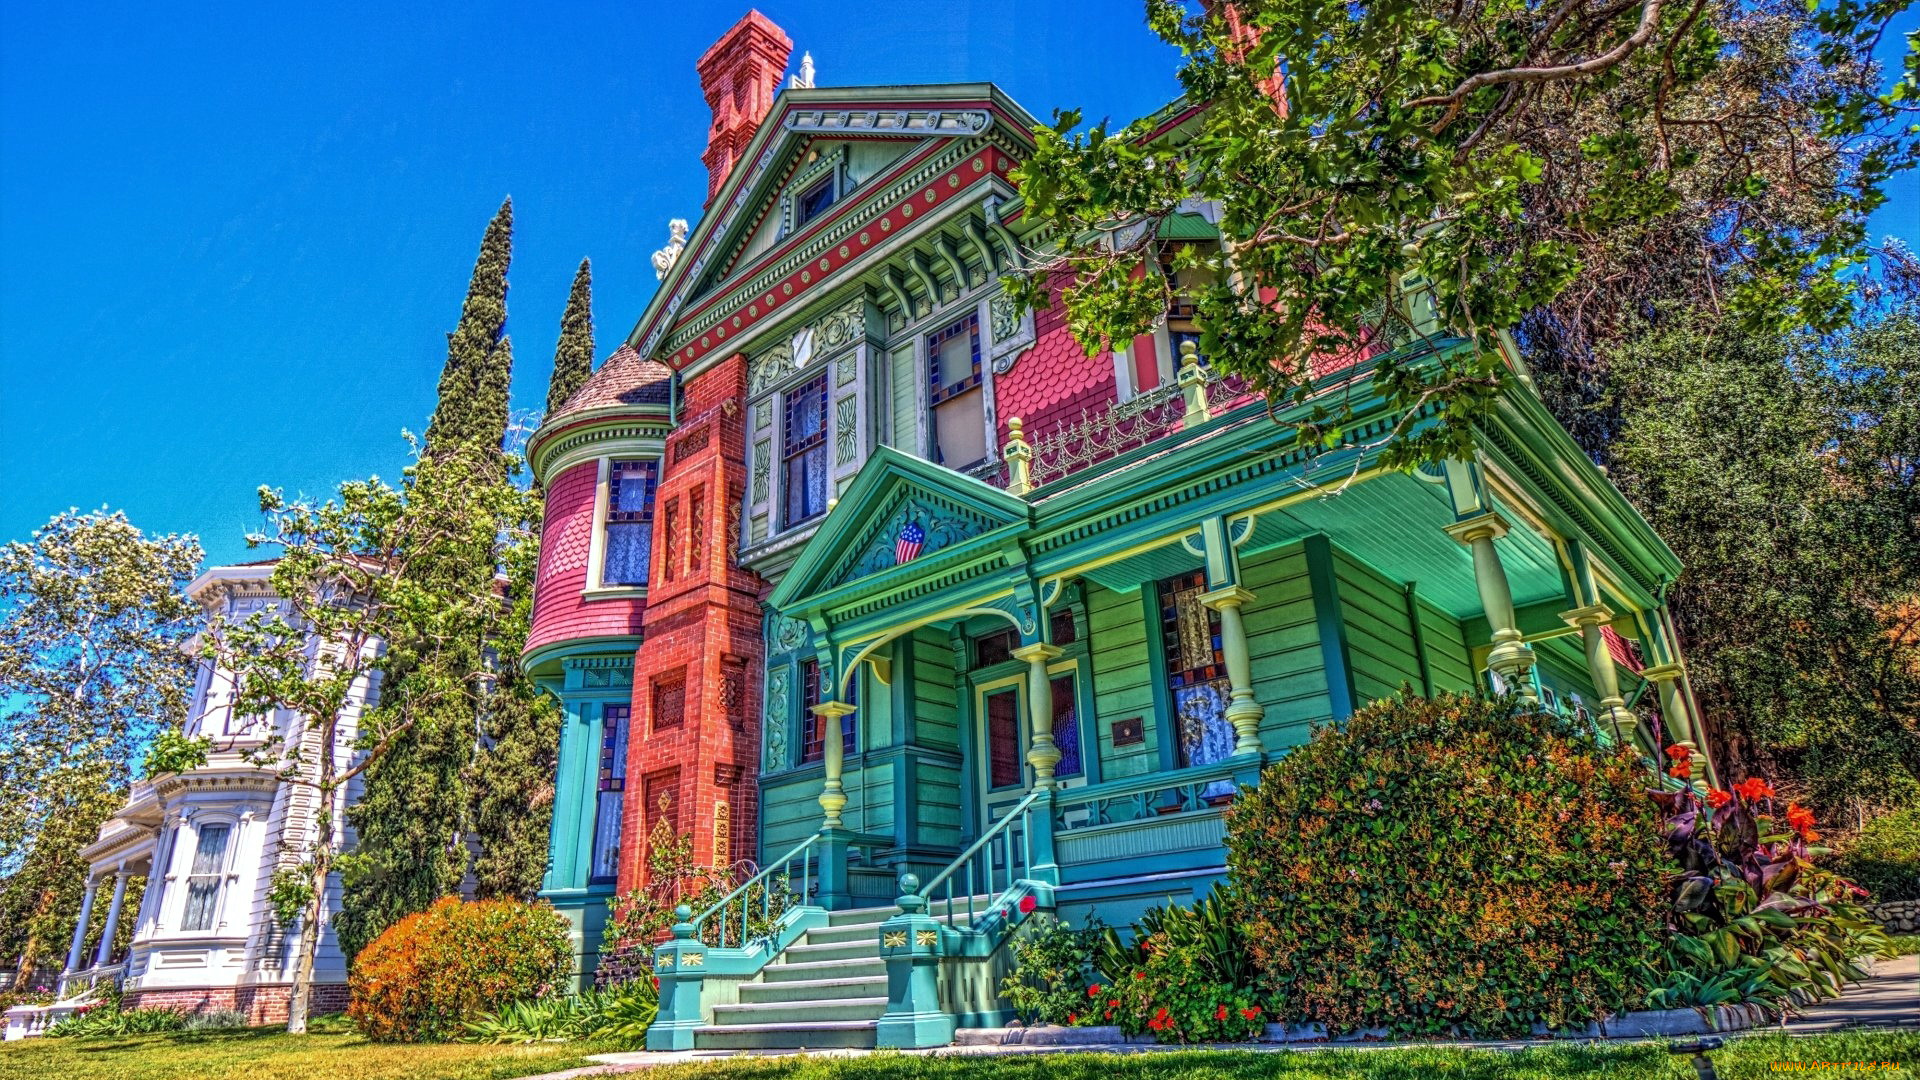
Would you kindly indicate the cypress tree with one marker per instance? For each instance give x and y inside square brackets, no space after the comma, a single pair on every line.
[573,357]
[472,407]
[412,819]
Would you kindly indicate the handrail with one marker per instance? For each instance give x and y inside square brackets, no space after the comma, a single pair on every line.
[1001,830]
[784,863]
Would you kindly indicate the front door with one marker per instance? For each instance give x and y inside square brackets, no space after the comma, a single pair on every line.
[1003,733]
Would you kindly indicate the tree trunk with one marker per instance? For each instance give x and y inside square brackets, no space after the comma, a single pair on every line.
[302,997]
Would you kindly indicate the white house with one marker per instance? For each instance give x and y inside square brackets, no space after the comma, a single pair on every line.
[204,935]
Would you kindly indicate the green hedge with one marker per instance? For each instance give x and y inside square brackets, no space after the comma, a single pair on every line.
[1884,857]
[1454,864]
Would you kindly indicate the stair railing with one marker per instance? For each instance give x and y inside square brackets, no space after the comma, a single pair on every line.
[1007,847]
[742,899]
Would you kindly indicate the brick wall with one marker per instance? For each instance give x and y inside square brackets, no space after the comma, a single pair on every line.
[696,739]
[261,1004]
[559,612]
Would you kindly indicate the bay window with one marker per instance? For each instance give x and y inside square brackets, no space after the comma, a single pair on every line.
[609,803]
[628,536]
[206,877]
[804,451]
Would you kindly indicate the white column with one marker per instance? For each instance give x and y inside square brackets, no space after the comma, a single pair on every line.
[105,952]
[1511,657]
[80,928]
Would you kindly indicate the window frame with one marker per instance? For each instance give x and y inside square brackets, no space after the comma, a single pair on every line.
[804,213]
[812,743]
[596,584]
[219,874]
[818,387]
[940,393]
[610,778]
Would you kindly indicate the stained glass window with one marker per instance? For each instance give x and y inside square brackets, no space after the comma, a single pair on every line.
[611,800]
[205,878]
[1066,727]
[629,529]
[805,451]
[813,738]
[1196,674]
[1003,738]
[958,402]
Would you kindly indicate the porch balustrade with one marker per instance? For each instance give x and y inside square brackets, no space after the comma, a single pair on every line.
[1123,426]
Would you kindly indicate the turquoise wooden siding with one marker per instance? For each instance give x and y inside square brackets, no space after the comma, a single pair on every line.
[1379,630]
[1123,682]
[936,718]
[1449,662]
[789,811]
[938,782]
[1283,640]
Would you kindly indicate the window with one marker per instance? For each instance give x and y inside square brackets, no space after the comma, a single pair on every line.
[609,804]
[629,528]
[206,877]
[994,648]
[1066,727]
[805,451]
[1196,672]
[813,737]
[955,394]
[1060,627]
[813,202]
[1003,739]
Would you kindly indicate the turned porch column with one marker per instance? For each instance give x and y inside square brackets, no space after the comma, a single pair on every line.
[833,794]
[1511,657]
[105,952]
[1043,755]
[1606,680]
[80,928]
[1683,727]
[1243,712]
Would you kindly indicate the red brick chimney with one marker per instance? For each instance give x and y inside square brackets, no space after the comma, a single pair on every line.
[1248,35]
[739,76]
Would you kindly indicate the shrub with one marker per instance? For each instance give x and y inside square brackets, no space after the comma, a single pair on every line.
[1754,919]
[622,1014]
[216,1020]
[1052,978]
[1175,997]
[431,971]
[1884,857]
[92,1022]
[1453,863]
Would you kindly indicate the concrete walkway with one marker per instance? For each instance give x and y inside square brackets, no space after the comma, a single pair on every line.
[1890,997]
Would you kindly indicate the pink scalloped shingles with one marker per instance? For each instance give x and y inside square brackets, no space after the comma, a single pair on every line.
[1054,379]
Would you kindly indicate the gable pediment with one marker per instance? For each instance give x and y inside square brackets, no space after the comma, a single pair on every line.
[715,294]
[947,512]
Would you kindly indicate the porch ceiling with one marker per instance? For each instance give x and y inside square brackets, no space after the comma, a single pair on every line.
[1395,523]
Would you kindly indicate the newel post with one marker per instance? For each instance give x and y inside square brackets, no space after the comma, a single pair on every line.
[681,967]
[1019,456]
[910,943]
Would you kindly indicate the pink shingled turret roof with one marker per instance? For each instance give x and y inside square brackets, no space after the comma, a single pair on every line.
[624,379]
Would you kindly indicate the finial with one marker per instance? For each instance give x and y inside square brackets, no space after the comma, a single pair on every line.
[664,259]
[804,79]
[1019,457]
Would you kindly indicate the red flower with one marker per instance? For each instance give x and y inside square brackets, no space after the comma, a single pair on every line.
[1113,1003]
[1678,752]
[1680,771]
[1094,990]
[1072,1019]
[1248,1014]
[656,982]
[1220,1012]
[1754,788]
[1717,798]
[1161,1021]
[1027,904]
[1801,819]
[1139,974]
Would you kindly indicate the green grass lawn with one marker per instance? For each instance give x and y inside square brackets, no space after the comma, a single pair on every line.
[266,1055]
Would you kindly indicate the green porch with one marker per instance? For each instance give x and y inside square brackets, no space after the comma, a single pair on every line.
[1050,703]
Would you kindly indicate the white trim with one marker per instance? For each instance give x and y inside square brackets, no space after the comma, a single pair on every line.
[597,539]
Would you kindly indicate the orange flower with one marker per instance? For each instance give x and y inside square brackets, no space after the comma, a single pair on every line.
[1679,753]
[1754,788]
[1717,798]
[1801,819]
[1681,770]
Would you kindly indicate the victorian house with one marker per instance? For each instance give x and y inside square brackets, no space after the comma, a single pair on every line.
[876,587]
[203,846]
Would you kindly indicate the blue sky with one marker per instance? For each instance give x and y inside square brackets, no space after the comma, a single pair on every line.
[234,236]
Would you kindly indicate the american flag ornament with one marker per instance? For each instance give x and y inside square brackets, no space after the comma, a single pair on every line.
[906,547]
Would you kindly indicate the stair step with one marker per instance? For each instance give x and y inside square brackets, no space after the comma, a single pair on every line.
[799,1013]
[863,949]
[826,969]
[813,989]
[873,917]
[823,1035]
